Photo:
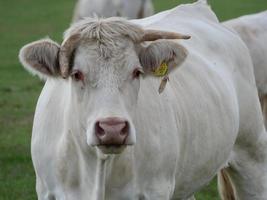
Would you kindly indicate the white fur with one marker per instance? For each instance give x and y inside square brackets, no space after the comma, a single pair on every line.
[208,115]
[253,31]
[109,8]
[203,1]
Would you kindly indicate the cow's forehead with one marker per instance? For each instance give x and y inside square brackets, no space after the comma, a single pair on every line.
[112,48]
[93,56]
[110,40]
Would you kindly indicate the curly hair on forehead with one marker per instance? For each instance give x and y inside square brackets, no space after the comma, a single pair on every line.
[106,32]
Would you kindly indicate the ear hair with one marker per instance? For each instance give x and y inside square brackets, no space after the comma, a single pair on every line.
[41,58]
[161,51]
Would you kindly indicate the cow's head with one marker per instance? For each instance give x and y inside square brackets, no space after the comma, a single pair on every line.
[102,60]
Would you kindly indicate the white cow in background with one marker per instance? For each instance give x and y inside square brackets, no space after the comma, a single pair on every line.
[102,131]
[131,9]
[253,31]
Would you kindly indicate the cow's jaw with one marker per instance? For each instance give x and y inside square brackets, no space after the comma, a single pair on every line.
[111,149]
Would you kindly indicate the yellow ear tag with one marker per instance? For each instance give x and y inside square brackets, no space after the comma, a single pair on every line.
[161,70]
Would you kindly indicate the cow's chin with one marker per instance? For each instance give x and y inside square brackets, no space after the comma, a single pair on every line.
[111,149]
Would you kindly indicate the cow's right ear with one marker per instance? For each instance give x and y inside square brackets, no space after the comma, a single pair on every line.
[41,58]
[162,53]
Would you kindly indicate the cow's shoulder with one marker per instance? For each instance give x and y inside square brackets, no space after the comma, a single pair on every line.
[185,12]
[199,10]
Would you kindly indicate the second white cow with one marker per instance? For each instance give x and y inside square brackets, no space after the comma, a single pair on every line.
[131,9]
[253,31]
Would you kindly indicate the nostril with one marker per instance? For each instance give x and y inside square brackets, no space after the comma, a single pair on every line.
[125,130]
[99,130]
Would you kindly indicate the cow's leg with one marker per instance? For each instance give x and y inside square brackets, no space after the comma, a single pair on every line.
[42,192]
[191,198]
[263,101]
[225,186]
[40,189]
[246,176]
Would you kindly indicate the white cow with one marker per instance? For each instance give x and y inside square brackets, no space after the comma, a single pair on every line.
[253,31]
[104,132]
[107,8]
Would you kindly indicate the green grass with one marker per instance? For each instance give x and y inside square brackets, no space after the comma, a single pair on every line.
[24,21]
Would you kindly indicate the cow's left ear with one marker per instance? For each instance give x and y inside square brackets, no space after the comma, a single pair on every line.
[162,53]
[41,58]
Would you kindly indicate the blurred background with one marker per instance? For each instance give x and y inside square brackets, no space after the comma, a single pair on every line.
[22,21]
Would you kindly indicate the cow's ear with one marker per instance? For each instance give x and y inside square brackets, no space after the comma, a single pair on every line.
[161,56]
[41,58]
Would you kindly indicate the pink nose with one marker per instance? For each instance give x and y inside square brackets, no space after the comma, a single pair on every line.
[111,131]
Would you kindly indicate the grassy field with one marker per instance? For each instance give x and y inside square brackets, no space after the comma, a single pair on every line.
[27,20]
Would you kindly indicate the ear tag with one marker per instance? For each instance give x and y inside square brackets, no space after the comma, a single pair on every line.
[163,84]
[161,70]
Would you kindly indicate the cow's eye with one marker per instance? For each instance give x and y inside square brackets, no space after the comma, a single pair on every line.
[77,75]
[137,72]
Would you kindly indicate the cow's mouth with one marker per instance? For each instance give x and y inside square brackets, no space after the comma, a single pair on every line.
[112,149]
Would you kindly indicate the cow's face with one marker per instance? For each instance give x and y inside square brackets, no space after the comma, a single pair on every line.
[103,77]
[105,88]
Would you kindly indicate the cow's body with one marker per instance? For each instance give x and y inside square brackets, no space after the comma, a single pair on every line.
[253,31]
[108,8]
[206,118]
